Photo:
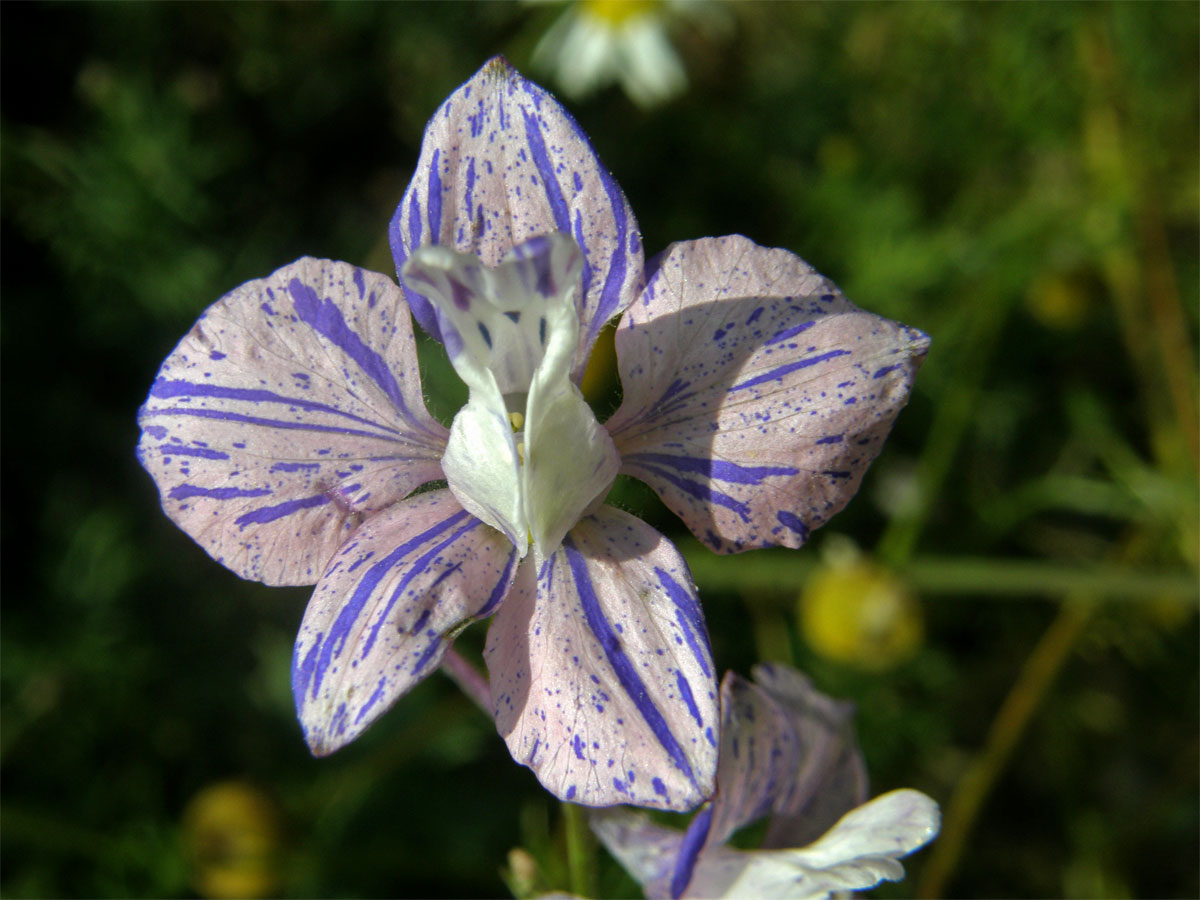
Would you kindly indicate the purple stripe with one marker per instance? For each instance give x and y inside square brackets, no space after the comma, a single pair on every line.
[713,468]
[335,641]
[372,700]
[879,373]
[610,297]
[266,514]
[414,570]
[469,193]
[701,491]
[500,589]
[832,439]
[689,851]
[689,617]
[295,467]
[789,332]
[587,266]
[685,693]
[792,521]
[414,222]
[163,388]
[202,452]
[541,159]
[433,196]
[434,646]
[326,319]
[255,420]
[422,309]
[187,491]
[621,665]
[778,373]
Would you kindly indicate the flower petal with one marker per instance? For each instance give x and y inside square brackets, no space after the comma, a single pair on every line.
[503,162]
[602,680]
[756,395]
[483,469]
[388,607]
[787,750]
[759,756]
[645,849]
[290,409]
[861,850]
[830,777]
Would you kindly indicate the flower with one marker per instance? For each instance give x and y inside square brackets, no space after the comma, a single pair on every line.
[855,611]
[287,435]
[787,751]
[597,42]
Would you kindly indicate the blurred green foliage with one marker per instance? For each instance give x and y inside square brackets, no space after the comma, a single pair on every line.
[1020,181]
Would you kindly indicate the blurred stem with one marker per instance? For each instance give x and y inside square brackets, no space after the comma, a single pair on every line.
[581,860]
[1140,271]
[472,682]
[779,573]
[954,412]
[1010,723]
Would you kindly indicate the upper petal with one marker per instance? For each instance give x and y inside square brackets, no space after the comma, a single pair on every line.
[388,607]
[290,409]
[756,395]
[503,162]
[602,677]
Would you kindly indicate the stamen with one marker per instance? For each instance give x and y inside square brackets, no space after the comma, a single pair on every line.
[517,419]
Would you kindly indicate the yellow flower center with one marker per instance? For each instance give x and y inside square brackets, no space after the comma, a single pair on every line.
[617,12]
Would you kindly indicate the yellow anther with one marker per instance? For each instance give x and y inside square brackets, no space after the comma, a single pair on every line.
[517,419]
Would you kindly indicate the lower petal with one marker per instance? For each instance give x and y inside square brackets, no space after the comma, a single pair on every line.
[645,849]
[602,676]
[388,607]
[861,850]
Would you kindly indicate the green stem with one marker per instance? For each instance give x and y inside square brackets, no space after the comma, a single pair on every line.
[1010,723]
[580,851]
[782,572]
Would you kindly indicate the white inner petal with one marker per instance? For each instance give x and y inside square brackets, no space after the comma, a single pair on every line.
[511,333]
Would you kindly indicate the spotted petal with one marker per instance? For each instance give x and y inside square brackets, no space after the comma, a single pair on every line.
[503,162]
[861,850]
[602,679]
[291,408]
[786,750]
[388,607]
[756,395]
[830,777]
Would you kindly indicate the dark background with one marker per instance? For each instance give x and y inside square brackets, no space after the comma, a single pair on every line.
[1020,181]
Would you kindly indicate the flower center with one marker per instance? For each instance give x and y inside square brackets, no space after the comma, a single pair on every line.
[526,454]
[618,12]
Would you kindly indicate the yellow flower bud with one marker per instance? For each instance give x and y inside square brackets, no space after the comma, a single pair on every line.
[855,612]
[231,837]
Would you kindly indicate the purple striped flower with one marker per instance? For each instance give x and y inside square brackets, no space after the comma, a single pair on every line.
[287,434]
[787,753]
